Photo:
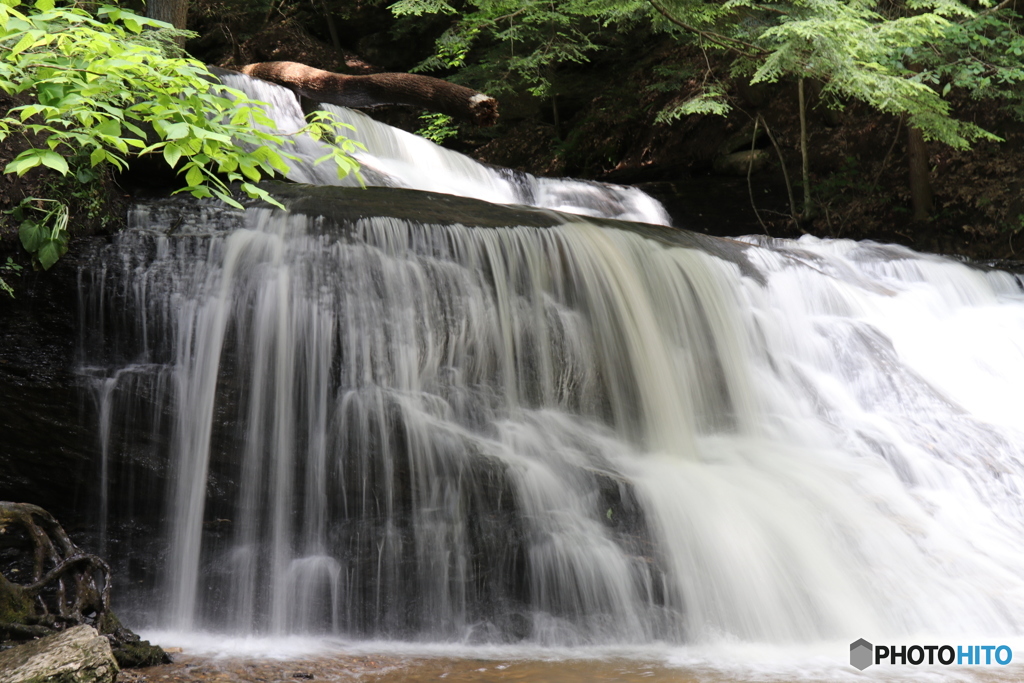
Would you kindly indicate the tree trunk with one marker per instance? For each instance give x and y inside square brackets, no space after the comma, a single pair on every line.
[331,26]
[379,89]
[920,183]
[174,12]
[805,163]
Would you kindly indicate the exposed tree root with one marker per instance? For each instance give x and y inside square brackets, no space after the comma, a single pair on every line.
[46,582]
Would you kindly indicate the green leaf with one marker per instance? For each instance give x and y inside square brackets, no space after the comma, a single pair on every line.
[50,94]
[248,168]
[109,127]
[229,200]
[172,153]
[50,252]
[85,175]
[54,161]
[420,7]
[24,162]
[194,176]
[176,131]
[32,235]
[23,44]
[29,110]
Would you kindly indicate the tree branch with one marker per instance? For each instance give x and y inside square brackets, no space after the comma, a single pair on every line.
[991,10]
[716,38]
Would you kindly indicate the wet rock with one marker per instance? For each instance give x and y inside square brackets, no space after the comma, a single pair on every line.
[78,655]
[740,163]
[130,651]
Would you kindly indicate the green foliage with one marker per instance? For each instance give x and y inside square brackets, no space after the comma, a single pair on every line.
[9,267]
[861,54]
[437,127]
[420,7]
[671,78]
[321,125]
[982,58]
[712,99]
[902,57]
[115,84]
[519,42]
[43,229]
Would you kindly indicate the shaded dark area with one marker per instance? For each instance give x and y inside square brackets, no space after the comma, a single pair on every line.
[48,451]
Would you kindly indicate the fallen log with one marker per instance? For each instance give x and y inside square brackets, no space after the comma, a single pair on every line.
[379,89]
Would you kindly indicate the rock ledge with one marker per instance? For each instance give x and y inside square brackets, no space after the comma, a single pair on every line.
[77,655]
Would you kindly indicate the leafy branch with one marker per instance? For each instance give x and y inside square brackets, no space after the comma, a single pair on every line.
[113,84]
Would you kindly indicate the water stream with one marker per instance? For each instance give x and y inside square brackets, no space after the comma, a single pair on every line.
[563,436]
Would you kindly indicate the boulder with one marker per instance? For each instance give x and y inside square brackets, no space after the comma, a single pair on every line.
[77,655]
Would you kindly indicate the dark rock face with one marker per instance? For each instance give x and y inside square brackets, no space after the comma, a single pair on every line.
[47,449]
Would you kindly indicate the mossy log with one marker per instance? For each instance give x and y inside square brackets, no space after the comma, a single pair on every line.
[374,90]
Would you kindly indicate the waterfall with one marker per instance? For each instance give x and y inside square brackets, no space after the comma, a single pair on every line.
[579,433]
[395,158]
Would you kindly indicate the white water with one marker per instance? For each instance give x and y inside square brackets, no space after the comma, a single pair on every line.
[577,436]
[395,158]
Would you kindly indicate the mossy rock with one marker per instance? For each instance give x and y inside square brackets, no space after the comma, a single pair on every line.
[130,651]
[139,654]
[15,606]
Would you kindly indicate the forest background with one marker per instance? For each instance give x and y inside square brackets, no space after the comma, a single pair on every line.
[899,120]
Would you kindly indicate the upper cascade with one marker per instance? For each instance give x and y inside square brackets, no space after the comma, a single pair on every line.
[395,158]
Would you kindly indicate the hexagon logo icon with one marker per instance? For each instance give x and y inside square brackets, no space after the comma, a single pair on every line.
[861,654]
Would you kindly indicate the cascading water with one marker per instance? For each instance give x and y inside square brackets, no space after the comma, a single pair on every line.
[565,434]
[395,158]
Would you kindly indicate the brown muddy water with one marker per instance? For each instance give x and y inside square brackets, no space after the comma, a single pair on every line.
[391,668]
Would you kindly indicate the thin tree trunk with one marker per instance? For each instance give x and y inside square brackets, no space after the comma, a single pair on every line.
[920,183]
[808,207]
[331,26]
